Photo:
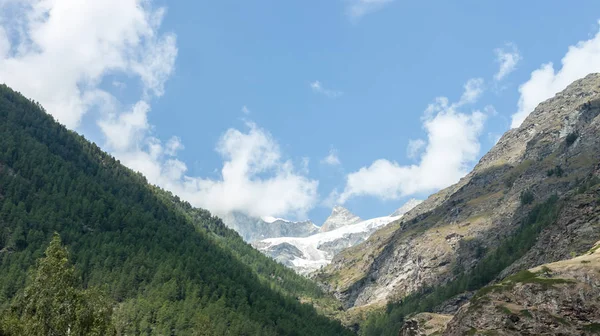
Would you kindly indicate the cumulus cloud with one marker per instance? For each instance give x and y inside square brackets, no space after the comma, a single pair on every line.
[414,147]
[332,158]
[507,57]
[359,8]
[254,179]
[125,129]
[317,87]
[473,90]
[60,52]
[451,148]
[580,60]
[173,146]
[245,110]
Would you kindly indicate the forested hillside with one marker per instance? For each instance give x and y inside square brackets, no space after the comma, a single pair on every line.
[167,268]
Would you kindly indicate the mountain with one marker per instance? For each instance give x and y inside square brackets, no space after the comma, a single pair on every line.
[532,199]
[406,207]
[254,229]
[339,217]
[165,268]
[560,298]
[307,254]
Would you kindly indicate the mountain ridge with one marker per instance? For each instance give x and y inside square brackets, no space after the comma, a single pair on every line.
[555,151]
[167,268]
[339,217]
[253,228]
[310,253]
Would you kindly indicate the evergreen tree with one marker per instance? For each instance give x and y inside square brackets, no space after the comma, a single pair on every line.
[54,304]
[168,267]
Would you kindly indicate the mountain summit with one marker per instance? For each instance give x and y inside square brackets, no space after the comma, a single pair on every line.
[307,254]
[254,228]
[339,217]
[532,199]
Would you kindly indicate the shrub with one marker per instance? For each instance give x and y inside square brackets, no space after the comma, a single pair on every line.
[526,197]
[571,138]
[558,171]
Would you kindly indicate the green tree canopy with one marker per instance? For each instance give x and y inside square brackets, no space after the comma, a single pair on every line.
[54,304]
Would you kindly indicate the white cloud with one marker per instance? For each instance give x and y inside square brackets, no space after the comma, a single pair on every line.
[119,85]
[4,43]
[580,60]
[245,110]
[473,90]
[123,130]
[508,57]
[331,200]
[59,51]
[304,165]
[255,179]
[317,87]
[173,146]
[452,146]
[332,158]
[414,147]
[359,8]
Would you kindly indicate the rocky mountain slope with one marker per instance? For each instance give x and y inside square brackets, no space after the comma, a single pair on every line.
[560,298]
[254,229]
[339,217]
[556,151]
[409,205]
[340,231]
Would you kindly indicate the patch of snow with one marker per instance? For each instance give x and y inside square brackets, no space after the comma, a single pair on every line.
[269,219]
[313,257]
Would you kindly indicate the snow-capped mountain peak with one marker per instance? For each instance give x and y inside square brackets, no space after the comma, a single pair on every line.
[307,254]
[255,228]
[339,217]
[341,230]
[269,219]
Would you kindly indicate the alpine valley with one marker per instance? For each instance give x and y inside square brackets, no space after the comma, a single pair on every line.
[511,249]
[89,247]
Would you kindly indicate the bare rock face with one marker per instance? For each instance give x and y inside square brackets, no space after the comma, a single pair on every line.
[339,217]
[411,204]
[254,229]
[282,253]
[561,298]
[552,152]
[341,230]
[425,324]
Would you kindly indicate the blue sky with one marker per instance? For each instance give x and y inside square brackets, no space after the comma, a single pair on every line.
[235,105]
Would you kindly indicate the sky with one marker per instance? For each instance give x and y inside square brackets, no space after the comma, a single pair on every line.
[287,108]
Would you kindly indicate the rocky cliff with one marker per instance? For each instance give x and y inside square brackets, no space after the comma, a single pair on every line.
[560,298]
[342,230]
[254,229]
[339,217]
[556,151]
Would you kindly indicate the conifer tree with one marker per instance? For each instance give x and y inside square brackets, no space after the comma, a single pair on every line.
[54,304]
